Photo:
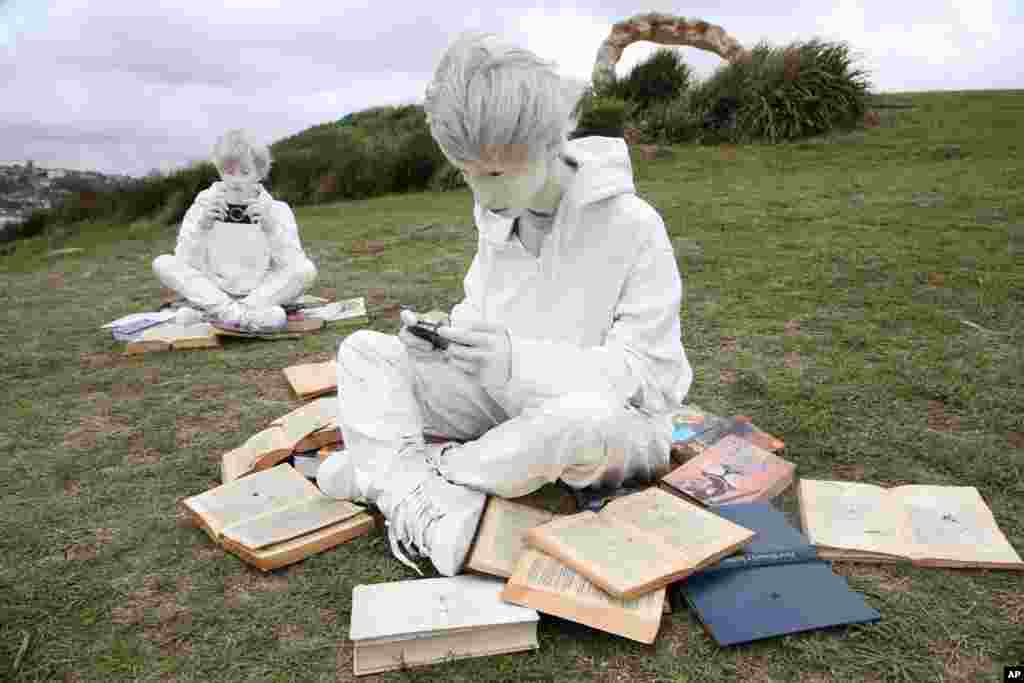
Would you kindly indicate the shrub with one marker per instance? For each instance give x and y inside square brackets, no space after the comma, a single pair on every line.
[603,115]
[659,79]
[786,93]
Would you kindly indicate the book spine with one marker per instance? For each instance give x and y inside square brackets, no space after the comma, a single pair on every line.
[765,559]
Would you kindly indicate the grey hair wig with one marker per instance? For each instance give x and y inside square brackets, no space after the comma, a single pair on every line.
[236,144]
[488,92]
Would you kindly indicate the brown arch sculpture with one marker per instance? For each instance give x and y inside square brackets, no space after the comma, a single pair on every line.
[664,29]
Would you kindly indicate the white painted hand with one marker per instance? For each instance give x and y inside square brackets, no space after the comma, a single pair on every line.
[413,344]
[216,209]
[259,212]
[482,350]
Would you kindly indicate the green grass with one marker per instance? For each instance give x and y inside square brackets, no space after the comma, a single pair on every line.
[873,242]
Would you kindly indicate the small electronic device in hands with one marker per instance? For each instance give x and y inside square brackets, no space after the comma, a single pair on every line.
[428,331]
[237,213]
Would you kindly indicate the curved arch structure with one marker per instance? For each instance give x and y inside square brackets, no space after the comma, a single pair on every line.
[664,29]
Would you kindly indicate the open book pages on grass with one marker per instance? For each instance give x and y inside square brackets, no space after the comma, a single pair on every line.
[932,526]
[501,537]
[170,336]
[276,517]
[639,543]
[549,586]
[275,443]
[733,470]
[346,309]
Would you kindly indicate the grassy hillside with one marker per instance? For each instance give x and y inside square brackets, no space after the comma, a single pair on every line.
[861,296]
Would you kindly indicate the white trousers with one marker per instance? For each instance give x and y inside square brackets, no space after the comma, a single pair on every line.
[515,444]
[280,286]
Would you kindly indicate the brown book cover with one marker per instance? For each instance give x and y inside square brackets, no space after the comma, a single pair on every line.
[309,380]
[501,536]
[639,543]
[276,517]
[931,526]
[733,470]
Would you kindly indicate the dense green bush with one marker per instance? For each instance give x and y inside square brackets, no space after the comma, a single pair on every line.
[660,78]
[801,90]
[603,115]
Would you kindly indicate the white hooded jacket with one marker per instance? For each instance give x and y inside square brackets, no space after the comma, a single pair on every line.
[239,256]
[598,310]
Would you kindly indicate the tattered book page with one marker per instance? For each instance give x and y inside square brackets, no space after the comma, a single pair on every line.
[952,523]
[272,489]
[502,536]
[284,524]
[852,516]
[694,533]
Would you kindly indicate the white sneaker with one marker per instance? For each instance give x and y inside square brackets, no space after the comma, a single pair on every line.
[187,315]
[427,515]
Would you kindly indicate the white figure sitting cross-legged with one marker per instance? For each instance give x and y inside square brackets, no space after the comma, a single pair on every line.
[238,258]
[565,356]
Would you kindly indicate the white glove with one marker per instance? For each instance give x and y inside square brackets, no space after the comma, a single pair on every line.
[259,211]
[216,209]
[482,350]
[416,347]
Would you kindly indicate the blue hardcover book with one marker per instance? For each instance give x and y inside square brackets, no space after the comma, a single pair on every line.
[774,588]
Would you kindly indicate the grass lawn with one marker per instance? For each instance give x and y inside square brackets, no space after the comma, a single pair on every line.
[861,296]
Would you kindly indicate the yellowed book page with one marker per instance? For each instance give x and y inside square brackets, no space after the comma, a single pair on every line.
[485,641]
[547,585]
[502,536]
[284,524]
[173,332]
[259,493]
[289,552]
[694,533]
[621,559]
[268,446]
[953,524]
[308,418]
[236,463]
[852,516]
[313,379]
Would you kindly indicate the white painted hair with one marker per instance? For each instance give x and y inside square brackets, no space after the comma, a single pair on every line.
[486,92]
[237,144]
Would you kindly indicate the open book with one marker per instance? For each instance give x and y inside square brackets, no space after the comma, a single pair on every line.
[284,435]
[501,537]
[172,336]
[427,621]
[639,543]
[547,585]
[932,526]
[276,517]
[310,380]
[733,470]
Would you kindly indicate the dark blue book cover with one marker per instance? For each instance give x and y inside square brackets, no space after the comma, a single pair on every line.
[773,593]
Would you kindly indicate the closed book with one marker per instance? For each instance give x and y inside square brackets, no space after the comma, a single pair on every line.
[764,599]
[733,470]
[427,621]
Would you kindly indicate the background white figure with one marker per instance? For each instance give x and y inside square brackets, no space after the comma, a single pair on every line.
[238,256]
[566,355]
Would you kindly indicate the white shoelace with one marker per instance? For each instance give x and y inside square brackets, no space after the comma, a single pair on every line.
[407,530]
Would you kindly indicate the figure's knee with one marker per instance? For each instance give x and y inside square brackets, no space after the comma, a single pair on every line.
[306,274]
[366,344]
[164,265]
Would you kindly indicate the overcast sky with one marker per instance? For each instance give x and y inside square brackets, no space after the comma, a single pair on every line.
[126,87]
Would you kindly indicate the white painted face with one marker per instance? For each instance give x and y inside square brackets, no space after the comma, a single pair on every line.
[239,175]
[504,181]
